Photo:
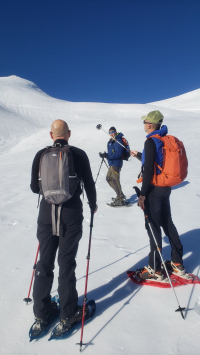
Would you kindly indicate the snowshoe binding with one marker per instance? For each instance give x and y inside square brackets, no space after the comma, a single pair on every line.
[148,274]
[41,326]
[122,198]
[177,269]
[119,202]
[66,326]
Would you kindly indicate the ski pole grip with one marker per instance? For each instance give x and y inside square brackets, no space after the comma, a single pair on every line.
[137,190]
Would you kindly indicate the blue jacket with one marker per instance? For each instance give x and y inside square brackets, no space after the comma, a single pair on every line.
[159,145]
[115,151]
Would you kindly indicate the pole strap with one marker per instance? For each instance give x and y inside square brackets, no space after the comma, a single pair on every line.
[56,224]
[53,217]
[58,220]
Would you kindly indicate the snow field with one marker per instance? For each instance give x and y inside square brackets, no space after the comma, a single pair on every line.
[130,319]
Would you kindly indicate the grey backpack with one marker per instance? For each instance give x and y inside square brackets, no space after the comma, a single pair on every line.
[57,179]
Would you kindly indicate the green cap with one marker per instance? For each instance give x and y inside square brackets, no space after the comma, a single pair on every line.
[154,117]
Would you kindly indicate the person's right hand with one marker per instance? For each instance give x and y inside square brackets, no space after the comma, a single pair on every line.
[103,155]
[141,202]
[96,208]
[133,153]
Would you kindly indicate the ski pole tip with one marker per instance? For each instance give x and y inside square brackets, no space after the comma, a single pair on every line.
[81,344]
[27,300]
[181,310]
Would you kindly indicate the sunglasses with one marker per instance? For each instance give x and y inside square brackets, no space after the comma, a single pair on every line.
[147,122]
[110,132]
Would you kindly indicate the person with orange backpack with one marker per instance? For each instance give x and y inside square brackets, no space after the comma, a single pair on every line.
[164,164]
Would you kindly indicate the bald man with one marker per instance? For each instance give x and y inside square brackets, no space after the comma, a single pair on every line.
[59,129]
[67,243]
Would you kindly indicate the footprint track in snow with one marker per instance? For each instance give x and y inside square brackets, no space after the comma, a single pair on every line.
[100,238]
[13,223]
[120,246]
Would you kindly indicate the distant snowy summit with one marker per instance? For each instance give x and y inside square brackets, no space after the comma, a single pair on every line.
[25,109]
[17,82]
[186,102]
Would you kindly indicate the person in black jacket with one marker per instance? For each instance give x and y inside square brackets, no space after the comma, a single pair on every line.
[154,200]
[67,243]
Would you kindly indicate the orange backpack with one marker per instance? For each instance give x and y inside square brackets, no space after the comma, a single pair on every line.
[174,165]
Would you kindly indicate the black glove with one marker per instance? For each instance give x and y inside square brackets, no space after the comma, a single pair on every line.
[103,155]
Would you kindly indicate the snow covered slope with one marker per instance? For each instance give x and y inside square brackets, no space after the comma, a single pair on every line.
[187,102]
[130,319]
[25,109]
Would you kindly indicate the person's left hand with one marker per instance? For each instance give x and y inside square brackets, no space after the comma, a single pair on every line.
[141,202]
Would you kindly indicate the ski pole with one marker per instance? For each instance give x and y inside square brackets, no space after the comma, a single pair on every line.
[99,126]
[99,170]
[180,309]
[86,281]
[27,300]
[105,163]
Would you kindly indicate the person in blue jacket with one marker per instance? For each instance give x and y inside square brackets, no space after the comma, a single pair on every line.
[155,201]
[115,161]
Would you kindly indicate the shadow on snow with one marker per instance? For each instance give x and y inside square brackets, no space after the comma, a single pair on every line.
[182,184]
[191,245]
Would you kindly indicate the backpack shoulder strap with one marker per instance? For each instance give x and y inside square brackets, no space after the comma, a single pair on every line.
[163,140]
[158,137]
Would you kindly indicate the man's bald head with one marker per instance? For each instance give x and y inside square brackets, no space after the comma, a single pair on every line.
[60,130]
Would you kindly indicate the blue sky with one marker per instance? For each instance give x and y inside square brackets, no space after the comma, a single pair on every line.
[120,51]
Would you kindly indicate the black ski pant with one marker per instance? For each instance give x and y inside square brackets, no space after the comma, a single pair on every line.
[67,245]
[157,207]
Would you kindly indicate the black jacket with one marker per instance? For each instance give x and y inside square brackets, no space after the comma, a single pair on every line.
[148,168]
[82,169]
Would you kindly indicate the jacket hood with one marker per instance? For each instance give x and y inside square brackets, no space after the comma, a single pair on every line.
[161,132]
